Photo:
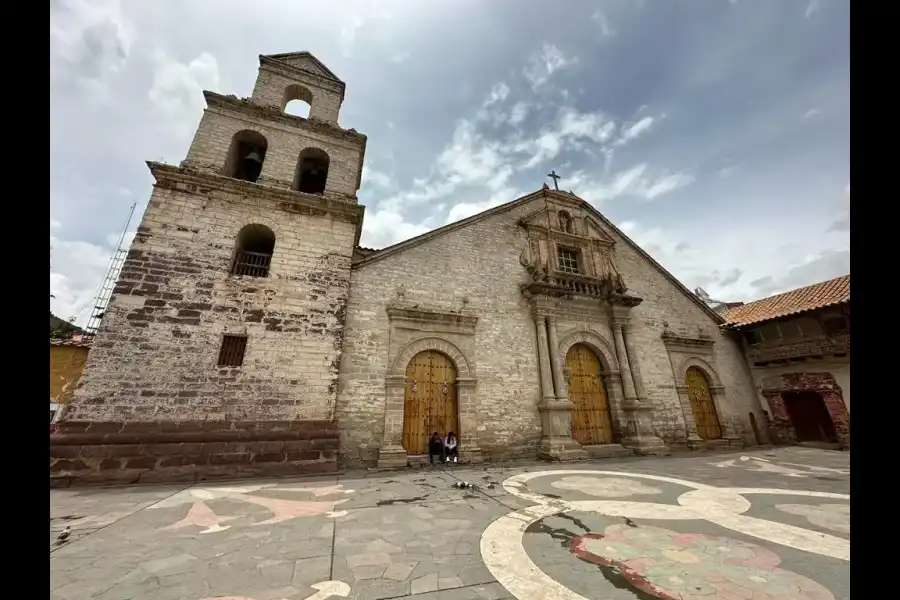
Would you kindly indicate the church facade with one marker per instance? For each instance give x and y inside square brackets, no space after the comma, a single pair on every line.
[249,333]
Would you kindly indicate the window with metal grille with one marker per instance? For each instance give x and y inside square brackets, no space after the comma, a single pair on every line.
[232,352]
[253,254]
[252,264]
[568,260]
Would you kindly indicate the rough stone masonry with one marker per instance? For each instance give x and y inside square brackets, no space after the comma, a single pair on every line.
[250,334]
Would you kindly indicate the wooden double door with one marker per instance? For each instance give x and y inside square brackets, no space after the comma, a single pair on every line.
[591,416]
[702,405]
[429,402]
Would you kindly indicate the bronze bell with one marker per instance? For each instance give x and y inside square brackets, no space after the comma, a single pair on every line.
[254,157]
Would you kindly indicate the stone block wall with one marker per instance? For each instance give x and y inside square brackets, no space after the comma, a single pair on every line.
[665,303]
[272,83]
[164,451]
[480,262]
[287,136]
[155,356]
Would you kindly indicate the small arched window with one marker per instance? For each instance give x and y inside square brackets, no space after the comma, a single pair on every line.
[297,101]
[253,251]
[565,222]
[312,171]
[246,156]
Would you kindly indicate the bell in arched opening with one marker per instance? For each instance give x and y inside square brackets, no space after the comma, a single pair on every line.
[251,166]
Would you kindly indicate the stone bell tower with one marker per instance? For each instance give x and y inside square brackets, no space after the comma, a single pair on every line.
[219,350]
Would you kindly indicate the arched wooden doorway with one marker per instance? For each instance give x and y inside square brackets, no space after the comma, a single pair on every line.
[591,418]
[702,405]
[429,402]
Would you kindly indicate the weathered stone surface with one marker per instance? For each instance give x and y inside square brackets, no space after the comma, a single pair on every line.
[332,327]
[155,355]
[101,452]
[440,272]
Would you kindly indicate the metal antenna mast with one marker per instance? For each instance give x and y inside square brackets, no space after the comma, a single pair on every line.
[109,282]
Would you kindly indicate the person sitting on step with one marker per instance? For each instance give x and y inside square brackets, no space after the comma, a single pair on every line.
[435,447]
[451,448]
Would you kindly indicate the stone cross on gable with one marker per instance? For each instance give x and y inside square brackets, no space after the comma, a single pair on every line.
[552,175]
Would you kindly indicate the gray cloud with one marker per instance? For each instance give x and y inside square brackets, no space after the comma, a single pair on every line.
[640,118]
[827,265]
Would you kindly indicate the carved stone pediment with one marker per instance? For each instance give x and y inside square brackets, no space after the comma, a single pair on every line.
[410,315]
[566,223]
[693,344]
[562,227]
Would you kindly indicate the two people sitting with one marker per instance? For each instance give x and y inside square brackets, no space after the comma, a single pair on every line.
[446,449]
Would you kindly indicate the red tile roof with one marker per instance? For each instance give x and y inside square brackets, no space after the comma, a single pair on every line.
[811,297]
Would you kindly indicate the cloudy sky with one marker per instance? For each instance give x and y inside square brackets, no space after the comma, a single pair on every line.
[716,133]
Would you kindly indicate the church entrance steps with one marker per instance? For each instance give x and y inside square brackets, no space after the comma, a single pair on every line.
[715,445]
[607,450]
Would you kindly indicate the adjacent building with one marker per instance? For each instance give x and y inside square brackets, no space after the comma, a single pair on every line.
[797,346]
[67,359]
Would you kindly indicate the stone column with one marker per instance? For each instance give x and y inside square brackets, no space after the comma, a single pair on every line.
[717,392]
[469,451]
[624,365]
[639,389]
[392,454]
[556,412]
[544,357]
[640,437]
[560,389]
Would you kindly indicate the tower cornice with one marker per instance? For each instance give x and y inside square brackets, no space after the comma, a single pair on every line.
[190,181]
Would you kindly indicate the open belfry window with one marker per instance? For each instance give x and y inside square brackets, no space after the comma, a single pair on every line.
[567,260]
[246,156]
[253,251]
[231,354]
[312,171]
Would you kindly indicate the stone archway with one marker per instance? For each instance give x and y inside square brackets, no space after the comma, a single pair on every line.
[606,354]
[689,368]
[604,351]
[591,416]
[463,365]
[392,452]
[706,417]
[775,388]
[430,402]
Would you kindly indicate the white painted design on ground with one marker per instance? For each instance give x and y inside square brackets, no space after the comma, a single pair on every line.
[764,465]
[830,516]
[507,560]
[612,487]
[324,590]
[327,589]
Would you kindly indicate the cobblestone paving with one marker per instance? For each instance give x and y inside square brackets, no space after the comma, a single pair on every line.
[767,524]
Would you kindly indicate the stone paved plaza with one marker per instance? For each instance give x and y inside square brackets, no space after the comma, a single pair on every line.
[761,525]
